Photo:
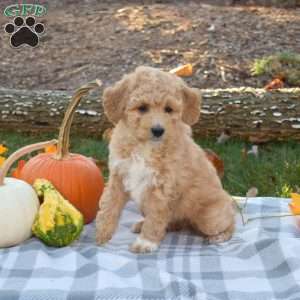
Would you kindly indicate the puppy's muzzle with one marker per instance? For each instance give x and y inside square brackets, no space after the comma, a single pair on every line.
[157,131]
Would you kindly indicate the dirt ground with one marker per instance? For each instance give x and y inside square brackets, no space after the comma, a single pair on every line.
[105,39]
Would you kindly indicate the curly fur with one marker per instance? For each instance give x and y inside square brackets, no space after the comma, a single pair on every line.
[170,177]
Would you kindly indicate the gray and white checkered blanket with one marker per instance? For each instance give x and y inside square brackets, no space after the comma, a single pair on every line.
[262,261]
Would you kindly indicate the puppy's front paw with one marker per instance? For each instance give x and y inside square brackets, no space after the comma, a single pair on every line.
[142,245]
[104,230]
[103,237]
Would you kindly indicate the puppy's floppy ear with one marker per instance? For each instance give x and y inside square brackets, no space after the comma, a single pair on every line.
[115,99]
[191,105]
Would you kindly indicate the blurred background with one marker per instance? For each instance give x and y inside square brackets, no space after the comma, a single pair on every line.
[105,39]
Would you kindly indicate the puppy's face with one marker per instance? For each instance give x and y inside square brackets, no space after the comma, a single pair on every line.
[153,119]
[152,103]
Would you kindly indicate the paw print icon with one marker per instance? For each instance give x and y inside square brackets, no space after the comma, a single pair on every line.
[24,32]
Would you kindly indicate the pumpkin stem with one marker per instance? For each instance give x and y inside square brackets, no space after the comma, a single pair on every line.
[64,132]
[18,154]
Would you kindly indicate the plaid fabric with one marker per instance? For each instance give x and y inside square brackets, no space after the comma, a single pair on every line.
[260,262]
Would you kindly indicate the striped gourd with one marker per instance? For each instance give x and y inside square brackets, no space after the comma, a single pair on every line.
[58,223]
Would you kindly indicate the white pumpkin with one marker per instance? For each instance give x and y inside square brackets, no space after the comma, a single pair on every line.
[18,207]
[19,203]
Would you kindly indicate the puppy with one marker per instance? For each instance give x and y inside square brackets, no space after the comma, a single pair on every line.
[154,161]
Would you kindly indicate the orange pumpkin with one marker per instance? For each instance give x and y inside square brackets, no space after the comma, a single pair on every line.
[76,177]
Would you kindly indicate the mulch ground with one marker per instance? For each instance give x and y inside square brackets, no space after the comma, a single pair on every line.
[105,39]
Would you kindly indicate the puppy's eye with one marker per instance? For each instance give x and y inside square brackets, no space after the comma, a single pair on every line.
[143,108]
[168,109]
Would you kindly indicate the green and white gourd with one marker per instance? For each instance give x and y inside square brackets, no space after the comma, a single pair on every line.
[58,222]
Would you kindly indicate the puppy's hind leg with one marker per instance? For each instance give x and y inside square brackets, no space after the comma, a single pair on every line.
[217,221]
[221,237]
[111,205]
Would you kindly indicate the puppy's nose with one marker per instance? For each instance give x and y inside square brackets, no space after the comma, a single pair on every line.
[157,131]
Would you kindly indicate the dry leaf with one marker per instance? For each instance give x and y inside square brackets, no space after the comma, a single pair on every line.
[295,203]
[274,85]
[212,27]
[223,74]
[252,192]
[3,149]
[216,161]
[225,136]
[183,71]
[16,173]
[2,160]
[253,150]
[51,149]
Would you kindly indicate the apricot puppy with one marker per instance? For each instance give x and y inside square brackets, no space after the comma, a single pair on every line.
[154,161]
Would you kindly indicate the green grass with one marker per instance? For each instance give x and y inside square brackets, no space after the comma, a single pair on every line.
[275,172]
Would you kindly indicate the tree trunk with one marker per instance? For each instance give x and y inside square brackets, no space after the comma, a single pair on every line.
[247,113]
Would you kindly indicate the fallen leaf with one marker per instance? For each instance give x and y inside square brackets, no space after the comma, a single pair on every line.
[51,149]
[225,136]
[16,173]
[275,84]
[212,27]
[295,203]
[216,161]
[3,149]
[2,160]
[223,74]
[183,71]
[253,150]
[252,192]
